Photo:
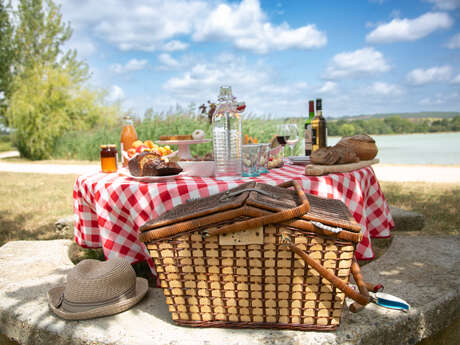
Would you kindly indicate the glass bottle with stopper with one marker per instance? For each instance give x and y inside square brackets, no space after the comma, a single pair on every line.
[226,130]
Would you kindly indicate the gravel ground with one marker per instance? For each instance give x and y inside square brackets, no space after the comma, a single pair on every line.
[384,172]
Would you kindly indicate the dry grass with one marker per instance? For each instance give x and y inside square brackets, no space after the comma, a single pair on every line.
[30,204]
[438,202]
[48,161]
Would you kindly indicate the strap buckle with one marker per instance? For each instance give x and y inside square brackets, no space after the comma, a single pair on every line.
[228,195]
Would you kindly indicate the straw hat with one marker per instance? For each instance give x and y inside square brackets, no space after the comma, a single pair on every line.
[97,288]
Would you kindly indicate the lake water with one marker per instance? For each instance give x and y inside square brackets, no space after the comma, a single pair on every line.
[433,148]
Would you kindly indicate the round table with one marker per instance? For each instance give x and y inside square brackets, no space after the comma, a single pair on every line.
[109,208]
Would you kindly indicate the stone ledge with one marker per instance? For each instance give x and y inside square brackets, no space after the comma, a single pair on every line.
[406,220]
[422,270]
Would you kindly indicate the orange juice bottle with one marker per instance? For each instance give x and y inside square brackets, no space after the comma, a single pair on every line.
[127,137]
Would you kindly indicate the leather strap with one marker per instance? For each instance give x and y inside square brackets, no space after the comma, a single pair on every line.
[361,298]
[272,218]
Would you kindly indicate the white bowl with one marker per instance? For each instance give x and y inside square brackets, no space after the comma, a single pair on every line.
[198,168]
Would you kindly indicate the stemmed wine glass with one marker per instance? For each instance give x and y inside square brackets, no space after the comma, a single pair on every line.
[288,133]
[293,136]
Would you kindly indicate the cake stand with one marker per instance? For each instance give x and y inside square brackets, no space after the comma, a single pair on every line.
[183,146]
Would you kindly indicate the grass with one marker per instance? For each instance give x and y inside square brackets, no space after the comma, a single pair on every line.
[6,146]
[30,204]
[48,161]
[438,202]
[85,145]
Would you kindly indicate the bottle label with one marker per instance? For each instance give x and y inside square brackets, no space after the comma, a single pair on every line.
[308,140]
[313,135]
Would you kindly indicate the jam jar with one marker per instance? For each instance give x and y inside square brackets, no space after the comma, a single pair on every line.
[109,158]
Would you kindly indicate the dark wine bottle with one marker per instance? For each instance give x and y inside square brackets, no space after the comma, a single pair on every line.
[319,127]
[308,133]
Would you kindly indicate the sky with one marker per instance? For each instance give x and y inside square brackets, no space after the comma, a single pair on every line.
[360,56]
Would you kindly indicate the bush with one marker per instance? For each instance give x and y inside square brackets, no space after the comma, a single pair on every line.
[48,102]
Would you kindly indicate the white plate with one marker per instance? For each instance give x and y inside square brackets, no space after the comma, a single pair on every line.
[125,172]
[198,168]
[182,142]
[302,160]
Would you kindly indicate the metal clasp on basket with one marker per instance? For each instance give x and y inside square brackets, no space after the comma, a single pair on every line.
[285,239]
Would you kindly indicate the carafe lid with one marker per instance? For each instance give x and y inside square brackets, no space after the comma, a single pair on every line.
[225,93]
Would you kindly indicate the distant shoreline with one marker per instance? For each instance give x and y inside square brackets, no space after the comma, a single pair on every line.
[395,134]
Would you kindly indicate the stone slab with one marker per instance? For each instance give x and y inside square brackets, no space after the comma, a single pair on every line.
[424,270]
[406,220]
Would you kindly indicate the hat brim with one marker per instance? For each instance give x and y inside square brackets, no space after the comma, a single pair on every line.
[54,294]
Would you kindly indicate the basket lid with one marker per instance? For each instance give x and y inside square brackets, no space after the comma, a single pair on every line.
[238,204]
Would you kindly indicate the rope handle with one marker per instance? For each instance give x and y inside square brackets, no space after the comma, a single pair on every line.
[361,298]
[277,217]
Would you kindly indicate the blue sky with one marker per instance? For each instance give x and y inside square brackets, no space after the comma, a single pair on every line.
[361,57]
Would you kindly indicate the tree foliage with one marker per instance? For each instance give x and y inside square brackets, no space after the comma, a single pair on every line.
[46,104]
[48,96]
[40,36]
[392,125]
[6,57]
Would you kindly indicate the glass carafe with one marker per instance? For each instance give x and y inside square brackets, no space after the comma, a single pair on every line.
[226,130]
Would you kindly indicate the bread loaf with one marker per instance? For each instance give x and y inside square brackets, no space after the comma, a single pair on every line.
[333,155]
[362,144]
[151,164]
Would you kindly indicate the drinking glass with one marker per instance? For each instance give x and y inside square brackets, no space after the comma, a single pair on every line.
[262,162]
[251,154]
[293,136]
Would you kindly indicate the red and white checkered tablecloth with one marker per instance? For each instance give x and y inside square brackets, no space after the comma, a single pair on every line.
[110,208]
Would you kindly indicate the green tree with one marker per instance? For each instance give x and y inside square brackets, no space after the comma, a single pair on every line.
[347,129]
[6,58]
[47,102]
[455,124]
[40,36]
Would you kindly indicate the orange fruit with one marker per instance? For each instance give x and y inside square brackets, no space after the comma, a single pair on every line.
[149,144]
[131,152]
[137,143]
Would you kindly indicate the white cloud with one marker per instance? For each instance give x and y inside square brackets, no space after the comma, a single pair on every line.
[253,83]
[445,4]
[454,42]
[385,89]
[421,76]
[362,61]
[145,25]
[400,30]
[328,87]
[168,62]
[456,80]
[154,25]
[246,26]
[115,94]
[438,99]
[174,45]
[84,46]
[131,66]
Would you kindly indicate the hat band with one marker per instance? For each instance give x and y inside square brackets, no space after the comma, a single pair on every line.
[78,307]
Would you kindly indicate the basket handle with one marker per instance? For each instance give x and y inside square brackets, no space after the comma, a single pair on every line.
[361,298]
[277,217]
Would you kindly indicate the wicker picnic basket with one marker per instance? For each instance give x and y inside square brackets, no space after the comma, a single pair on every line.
[257,256]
